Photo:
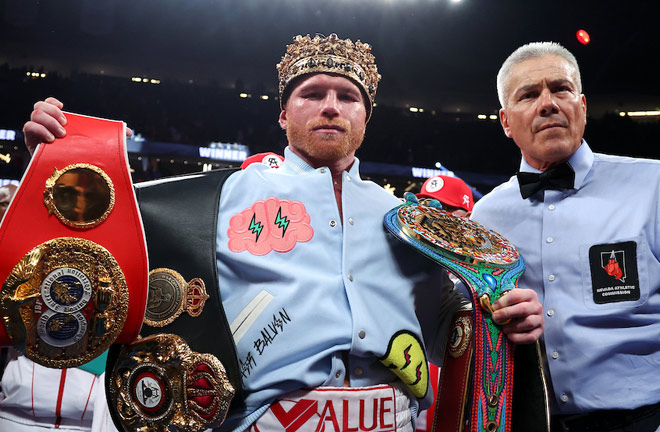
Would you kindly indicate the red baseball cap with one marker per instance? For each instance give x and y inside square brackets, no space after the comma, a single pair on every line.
[448,190]
[271,159]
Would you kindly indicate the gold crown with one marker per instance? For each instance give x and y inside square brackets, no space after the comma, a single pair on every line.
[331,55]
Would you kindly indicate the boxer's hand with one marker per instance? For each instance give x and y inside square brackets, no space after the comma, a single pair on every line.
[47,122]
[523,308]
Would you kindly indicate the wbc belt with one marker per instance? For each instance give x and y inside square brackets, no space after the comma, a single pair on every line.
[74,266]
[489,266]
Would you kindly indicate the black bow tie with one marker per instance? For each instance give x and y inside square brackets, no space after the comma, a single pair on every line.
[558,177]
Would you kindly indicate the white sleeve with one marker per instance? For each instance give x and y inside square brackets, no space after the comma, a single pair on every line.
[101,420]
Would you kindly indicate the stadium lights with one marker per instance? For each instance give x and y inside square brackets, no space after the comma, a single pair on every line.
[643,113]
[583,37]
[264,97]
[482,117]
[493,117]
[244,95]
[36,74]
[413,109]
[145,80]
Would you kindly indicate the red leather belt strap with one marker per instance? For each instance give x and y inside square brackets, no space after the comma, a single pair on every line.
[119,234]
[452,393]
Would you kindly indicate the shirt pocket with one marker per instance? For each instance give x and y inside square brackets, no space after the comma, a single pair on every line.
[615,273]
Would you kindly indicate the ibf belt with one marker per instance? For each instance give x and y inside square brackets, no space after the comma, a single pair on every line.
[381,408]
[489,266]
[74,265]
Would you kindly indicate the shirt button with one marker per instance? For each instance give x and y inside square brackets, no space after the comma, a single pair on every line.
[551,312]
[358,371]
[551,277]
[350,277]
[551,207]
[549,239]
[564,398]
[350,221]
[338,374]
[348,178]
[555,355]
[322,170]
[333,223]
[362,334]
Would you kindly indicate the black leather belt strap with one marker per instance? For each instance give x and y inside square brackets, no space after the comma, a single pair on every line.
[180,217]
[603,420]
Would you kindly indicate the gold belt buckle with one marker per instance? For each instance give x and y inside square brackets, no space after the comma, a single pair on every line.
[64,302]
[159,384]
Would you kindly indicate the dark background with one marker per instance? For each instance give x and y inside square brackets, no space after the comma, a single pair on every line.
[433,54]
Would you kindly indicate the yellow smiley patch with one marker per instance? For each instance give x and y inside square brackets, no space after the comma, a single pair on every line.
[406,357]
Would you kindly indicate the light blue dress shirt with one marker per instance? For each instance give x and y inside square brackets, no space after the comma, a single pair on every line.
[602,344]
[348,288]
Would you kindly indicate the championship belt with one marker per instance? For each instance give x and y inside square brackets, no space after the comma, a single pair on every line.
[489,266]
[159,384]
[183,374]
[74,264]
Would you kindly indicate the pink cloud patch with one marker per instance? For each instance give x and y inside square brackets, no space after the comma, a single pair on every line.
[272,224]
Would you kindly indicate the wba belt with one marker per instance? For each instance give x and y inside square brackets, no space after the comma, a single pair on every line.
[74,264]
[183,374]
[489,266]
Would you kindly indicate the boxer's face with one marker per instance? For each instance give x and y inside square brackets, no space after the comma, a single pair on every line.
[325,119]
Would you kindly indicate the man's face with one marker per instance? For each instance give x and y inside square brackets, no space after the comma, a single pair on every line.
[325,119]
[6,194]
[545,114]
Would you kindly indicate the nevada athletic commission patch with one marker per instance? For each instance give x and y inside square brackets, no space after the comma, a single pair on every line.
[614,276]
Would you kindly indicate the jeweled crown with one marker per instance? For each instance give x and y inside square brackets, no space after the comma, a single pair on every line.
[331,55]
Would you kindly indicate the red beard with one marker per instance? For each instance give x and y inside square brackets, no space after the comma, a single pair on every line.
[325,147]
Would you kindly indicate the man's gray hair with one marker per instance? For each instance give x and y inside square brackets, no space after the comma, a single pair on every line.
[531,51]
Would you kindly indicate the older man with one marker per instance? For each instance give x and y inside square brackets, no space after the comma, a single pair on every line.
[588,227]
[319,298]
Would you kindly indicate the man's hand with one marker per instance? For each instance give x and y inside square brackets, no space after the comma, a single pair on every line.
[523,308]
[46,123]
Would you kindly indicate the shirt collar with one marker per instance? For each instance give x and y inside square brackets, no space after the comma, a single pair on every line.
[295,163]
[581,161]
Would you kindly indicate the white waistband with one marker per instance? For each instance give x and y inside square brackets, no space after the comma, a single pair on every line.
[381,408]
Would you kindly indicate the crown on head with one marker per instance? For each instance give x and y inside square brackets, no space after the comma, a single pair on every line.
[330,55]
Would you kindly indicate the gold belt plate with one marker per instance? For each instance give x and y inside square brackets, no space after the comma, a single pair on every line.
[65,302]
[170,295]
